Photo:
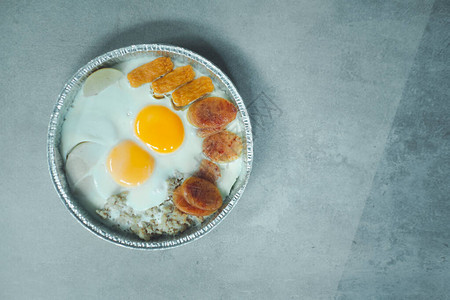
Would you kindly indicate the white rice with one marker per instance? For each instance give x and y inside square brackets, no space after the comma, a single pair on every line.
[164,219]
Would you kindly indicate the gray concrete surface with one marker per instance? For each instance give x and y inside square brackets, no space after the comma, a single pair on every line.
[349,196]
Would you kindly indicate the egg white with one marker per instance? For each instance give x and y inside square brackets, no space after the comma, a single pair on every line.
[108,118]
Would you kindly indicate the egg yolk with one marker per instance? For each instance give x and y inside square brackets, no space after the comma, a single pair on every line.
[160,128]
[129,164]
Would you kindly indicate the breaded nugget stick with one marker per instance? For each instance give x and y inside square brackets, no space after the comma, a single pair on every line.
[172,80]
[192,91]
[150,71]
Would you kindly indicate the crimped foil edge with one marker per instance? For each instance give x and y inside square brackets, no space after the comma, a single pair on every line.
[54,160]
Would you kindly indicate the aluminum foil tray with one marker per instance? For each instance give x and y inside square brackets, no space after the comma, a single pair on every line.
[56,163]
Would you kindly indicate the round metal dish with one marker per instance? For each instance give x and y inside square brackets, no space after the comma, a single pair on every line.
[56,163]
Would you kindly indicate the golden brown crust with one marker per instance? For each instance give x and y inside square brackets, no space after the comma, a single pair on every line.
[150,71]
[174,79]
[222,147]
[192,91]
[211,112]
[201,193]
[180,202]
[209,171]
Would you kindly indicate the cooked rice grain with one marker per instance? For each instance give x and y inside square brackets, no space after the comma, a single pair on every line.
[164,219]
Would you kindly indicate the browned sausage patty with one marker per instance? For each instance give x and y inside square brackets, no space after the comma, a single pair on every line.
[211,112]
[201,193]
[208,170]
[180,202]
[222,147]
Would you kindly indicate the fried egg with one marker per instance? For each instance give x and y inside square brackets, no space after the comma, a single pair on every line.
[122,139]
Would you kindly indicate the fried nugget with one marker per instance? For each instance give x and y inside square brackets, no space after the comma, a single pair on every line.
[150,71]
[222,147]
[192,91]
[172,80]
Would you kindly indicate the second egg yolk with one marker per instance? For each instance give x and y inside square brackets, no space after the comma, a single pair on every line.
[129,164]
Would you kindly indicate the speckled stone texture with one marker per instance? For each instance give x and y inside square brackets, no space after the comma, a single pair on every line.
[402,247]
[349,195]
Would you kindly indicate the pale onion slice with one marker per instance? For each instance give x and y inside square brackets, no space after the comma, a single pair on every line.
[100,80]
[81,159]
[87,175]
